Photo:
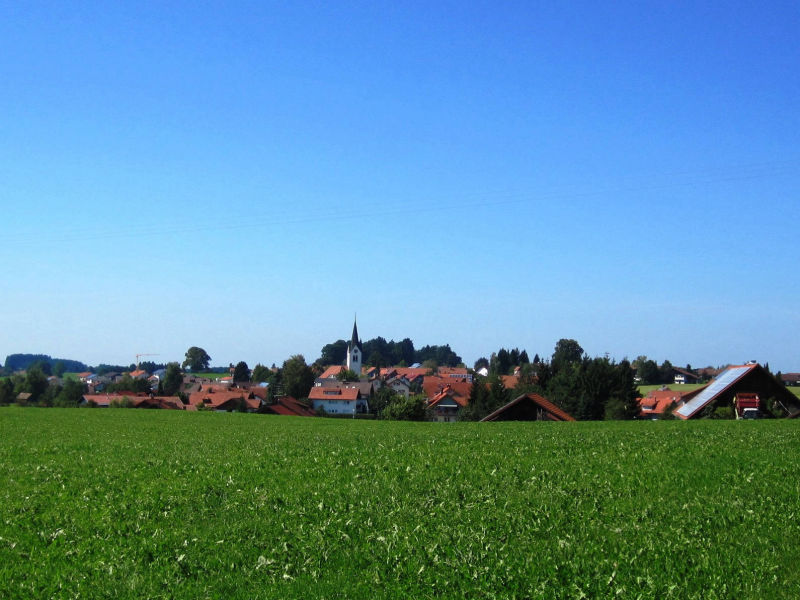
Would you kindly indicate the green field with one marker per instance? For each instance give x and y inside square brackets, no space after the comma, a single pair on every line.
[209,375]
[152,504]
[686,387]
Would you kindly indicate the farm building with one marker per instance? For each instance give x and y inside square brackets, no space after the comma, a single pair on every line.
[742,379]
[658,403]
[529,407]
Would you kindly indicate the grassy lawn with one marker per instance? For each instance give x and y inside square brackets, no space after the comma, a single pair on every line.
[209,375]
[686,387]
[152,504]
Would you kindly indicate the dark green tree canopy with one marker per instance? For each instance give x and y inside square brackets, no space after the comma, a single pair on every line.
[241,372]
[262,374]
[297,377]
[197,359]
[173,379]
[566,352]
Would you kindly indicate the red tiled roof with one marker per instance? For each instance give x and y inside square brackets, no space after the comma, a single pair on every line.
[215,399]
[448,371]
[509,381]
[555,413]
[137,373]
[332,393]
[290,407]
[332,371]
[449,392]
[657,402]
[410,373]
[433,384]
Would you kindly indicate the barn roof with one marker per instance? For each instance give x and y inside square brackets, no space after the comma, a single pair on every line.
[553,412]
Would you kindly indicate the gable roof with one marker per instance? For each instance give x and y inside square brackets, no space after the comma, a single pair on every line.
[551,411]
[706,395]
[657,402]
[289,406]
[334,393]
[332,371]
[448,392]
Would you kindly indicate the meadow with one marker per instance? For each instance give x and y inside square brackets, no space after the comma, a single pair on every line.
[162,504]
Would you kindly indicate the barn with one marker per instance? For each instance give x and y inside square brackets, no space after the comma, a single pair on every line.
[529,407]
[751,378]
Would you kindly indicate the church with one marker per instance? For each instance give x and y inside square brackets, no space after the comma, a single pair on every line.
[355,353]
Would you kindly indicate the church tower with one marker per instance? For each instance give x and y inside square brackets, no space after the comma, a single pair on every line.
[354,352]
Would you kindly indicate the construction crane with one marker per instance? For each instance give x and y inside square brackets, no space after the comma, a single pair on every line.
[140,355]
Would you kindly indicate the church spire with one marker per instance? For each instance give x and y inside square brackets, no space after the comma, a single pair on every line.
[354,341]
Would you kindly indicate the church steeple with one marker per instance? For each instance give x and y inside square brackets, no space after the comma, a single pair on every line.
[354,341]
[354,351]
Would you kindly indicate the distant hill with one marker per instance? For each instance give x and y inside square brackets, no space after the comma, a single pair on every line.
[20,362]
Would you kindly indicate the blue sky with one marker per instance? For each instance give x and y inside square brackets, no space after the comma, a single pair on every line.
[247,176]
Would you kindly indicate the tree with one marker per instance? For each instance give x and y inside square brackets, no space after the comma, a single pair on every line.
[43,366]
[173,379]
[197,359]
[261,374]
[241,372]
[647,371]
[297,377]
[346,375]
[566,352]
[406,409]
[6,391]
[59,368]
[71,394]
[35,383]
[666,373]
[481,363]
[381,399]
[334,354]
[478,405]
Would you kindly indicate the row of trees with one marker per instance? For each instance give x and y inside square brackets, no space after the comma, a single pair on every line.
[381,353]
[35,383]
[587,388]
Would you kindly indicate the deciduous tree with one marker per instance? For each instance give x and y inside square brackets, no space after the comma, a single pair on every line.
[197,359]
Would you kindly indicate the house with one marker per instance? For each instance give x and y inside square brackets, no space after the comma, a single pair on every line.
[790,378]
[510,381]
[132,399]
[138,374]
[338,400]
[681,376]
[658,403]
[288,406]
[332,372]
[399,385]
[412,374]
[225,400]
[529,407]
[433,385]
[455,373]
[446,404]
[750,379]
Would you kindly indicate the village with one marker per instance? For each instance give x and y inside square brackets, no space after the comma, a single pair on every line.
[445,394]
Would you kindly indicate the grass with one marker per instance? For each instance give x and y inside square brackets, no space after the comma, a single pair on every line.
[210,375]
[684,387]
[132,504]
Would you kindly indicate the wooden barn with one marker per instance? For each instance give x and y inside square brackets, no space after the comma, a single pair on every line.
[529,407]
